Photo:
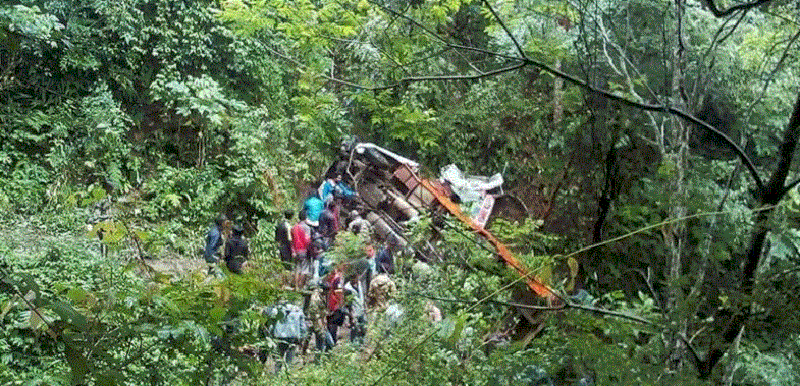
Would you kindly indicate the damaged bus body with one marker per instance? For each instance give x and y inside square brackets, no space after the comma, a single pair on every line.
[390,191]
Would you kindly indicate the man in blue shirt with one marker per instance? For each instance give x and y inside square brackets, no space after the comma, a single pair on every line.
[214,242]
[313,207]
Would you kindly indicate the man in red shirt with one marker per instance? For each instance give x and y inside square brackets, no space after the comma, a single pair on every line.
[336,315]
[301,241]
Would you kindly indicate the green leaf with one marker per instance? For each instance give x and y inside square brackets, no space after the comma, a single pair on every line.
[77,294]
[110,378]
[173,199]
[458,329]
[78,363]
[35,322]
[70,315]
[99,193]
[217,313]
[7,305]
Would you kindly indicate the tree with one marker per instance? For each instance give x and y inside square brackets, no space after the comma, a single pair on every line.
[659,78]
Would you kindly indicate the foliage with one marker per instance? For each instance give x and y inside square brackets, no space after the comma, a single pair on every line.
[349,248]
[112,325]
[176,111]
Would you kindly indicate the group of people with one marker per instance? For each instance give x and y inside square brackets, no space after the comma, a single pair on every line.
[236,249]
[338,292]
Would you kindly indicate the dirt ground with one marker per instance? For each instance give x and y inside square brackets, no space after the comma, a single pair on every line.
[177,267]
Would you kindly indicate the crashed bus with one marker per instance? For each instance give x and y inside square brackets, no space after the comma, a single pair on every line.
[390,191]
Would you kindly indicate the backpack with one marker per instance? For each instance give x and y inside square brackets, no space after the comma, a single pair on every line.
[291,323]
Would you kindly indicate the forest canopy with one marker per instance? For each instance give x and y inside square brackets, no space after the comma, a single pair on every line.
[651,142]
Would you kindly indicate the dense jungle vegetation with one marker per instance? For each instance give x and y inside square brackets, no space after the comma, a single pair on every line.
[652,141]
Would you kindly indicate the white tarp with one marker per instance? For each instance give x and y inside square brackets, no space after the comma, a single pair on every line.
[469,188]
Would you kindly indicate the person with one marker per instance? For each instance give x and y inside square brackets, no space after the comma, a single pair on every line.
[319,268]
[381,291]
[283,236]
[311,279]
[301,240]
[357,306]
[336,315]
[384,262]
[359,225]
[384,291]
[334,187]
[313,208]
[214,242]
[237,251]
[433,313]
[372,269]
[326,189]
[99,222]
[342,190]
[393,316]
[317,311]
[289,330]
[329,223]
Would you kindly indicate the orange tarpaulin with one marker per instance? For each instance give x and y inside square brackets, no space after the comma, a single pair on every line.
[455,209]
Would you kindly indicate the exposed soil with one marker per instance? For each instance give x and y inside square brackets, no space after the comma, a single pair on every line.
[177,267]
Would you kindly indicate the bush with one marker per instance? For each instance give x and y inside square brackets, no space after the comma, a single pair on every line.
[25,190]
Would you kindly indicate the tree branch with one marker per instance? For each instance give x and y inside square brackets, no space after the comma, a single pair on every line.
[695,356]
[651,107]
[716,40]
[405,79]
[483,51]
[739,7]
[427,30]
[775,188]
[611,313]
[792,184]
[735,26]
[505,28]
[562,306]
[527,61]
[771,77]
[452,77]
[410,20]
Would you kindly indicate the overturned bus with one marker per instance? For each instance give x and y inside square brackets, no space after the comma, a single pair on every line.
[390,191]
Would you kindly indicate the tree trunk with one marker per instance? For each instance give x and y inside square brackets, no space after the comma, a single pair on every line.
[558,96]
[727,379]
[731,321]
[675,234]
